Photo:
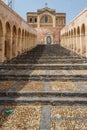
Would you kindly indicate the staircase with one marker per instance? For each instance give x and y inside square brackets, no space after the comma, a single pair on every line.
[51,67]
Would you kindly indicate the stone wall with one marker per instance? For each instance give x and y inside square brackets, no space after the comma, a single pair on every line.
[43,32]
[48,24]
[74,35]
[16,36]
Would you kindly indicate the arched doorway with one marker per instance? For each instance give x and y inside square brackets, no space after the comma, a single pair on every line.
[14,32]
[1,40]
[83,44]
[8,41]
[48,40]
[19,41]
[78,39]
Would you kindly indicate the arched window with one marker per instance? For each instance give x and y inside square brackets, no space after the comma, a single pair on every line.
[46,19]
[30,20]
[35,20]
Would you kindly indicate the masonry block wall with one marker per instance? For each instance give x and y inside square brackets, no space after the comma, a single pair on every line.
[16,36]
[74,35]
[42,33]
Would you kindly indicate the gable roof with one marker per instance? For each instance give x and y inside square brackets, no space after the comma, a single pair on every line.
[39,11]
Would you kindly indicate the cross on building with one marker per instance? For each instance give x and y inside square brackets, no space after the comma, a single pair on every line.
[46,4]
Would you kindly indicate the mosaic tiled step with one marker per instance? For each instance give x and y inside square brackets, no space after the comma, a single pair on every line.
[49,57]
[44,66]
[84,84]
[52,61]
[49,100]
[63,86]
[31,86]
[54,86]
[48,94]
[26,77]
[6,85]
[79,72]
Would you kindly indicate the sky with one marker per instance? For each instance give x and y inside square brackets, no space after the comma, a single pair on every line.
[70,7]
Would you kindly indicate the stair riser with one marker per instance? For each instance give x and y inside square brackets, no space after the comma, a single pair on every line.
[13,102]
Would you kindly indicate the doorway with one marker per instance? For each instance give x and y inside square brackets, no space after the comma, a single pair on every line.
[48,40]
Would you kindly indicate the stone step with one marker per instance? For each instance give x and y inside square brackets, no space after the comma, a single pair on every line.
[9,77]
[48,56]
[44,55]
[44,66]
[51,57]
[43,100]
[43,94]
[49,61]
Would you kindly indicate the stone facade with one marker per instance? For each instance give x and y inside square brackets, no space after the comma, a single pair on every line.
[16,36]
[48,24]
[74,35]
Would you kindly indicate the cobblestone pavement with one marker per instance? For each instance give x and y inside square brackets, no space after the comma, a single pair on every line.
[41,104]
[47,117]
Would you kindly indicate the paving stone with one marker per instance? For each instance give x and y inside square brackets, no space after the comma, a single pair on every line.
[37,72]
[31,86]
[80,86]
[69,118]
[47,86]
[79,72]
[6,85]
[14,86]
[56,72]
[45,118]
[63,86]
[23,118]
[1,107]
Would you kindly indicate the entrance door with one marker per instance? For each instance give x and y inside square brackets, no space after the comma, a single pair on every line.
[48,40]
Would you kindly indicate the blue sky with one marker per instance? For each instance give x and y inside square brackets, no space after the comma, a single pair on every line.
[70,7]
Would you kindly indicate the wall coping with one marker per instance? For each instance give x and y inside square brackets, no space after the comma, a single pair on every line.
[17,15]
[81,13]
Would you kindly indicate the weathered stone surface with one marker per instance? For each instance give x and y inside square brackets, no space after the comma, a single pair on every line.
[23,117]
[74,35]
[67,117]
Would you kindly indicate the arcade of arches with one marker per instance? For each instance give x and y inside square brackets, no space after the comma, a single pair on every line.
[74,35]
[16,36]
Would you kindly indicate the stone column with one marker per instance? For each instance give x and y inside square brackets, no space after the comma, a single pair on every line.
[54,21]
[2,48]
[20,44]
[80,45]
[11,39]
[16,45]
[67,41]
[86,41]
[76,42]
[38,21]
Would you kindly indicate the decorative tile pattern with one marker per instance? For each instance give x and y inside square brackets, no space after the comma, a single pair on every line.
[69,118]
[31,86]
[6,85]
[63,86]
[79,72]
[23,118]
[37,72]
